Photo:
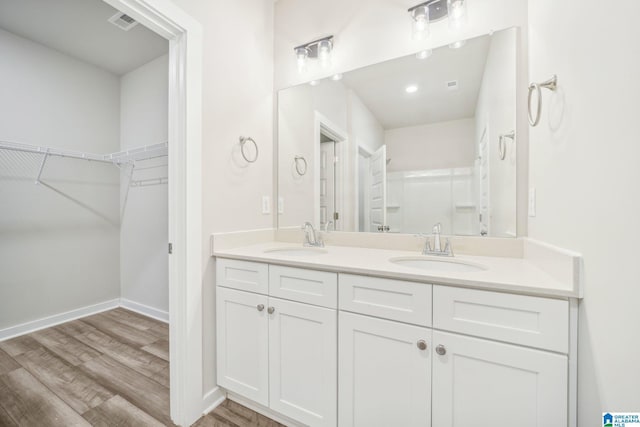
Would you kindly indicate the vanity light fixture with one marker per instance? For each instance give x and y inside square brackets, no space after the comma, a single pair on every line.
[320,49]
[434,10]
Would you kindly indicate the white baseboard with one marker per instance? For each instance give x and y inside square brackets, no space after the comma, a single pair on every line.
[212,399]
[56,319]
[145,310]
[264,411]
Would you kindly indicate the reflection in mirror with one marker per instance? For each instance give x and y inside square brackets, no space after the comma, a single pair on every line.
[402,145]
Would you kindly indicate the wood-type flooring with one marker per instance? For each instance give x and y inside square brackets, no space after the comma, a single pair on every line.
[108,369]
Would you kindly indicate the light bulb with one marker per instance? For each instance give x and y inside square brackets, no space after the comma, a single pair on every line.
[314,82]
[336,77]
[411,89]
[302,53]
[420,24]
[457,10]
[458,44]
[424,54]
[324,52]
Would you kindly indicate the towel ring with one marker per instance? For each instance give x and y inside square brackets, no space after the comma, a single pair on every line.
[298,160]
[243,141]
[552,85]
[502,145]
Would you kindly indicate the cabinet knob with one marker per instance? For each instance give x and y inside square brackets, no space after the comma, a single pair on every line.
[441,350]
[422,345]
[260,307]
[270,310]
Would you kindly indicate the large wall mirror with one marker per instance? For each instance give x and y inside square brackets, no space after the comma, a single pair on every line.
[402,145]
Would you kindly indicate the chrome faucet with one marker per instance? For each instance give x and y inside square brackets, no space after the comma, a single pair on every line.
[310,238]
[437,244]
[437,229]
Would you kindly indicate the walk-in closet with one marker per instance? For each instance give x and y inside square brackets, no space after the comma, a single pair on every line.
[84,295]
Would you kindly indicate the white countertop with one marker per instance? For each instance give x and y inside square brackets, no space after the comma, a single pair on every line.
[502,274]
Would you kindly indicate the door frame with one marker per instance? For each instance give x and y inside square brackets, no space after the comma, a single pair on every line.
[322,124]
[361,150]
[184,34]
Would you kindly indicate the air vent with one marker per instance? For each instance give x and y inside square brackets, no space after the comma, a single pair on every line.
[123,21]
[452,85]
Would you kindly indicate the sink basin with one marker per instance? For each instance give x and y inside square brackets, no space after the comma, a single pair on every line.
[296,251]
[433,264]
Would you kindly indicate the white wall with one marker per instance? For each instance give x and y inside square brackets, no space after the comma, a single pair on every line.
[495,112]
[58,240]
[433,146]
[584,165]
[144,226]
[364,130]
[237,100]
[295,136]
[297,107]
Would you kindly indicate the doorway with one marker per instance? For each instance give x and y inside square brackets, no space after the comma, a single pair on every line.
[330,147]
[184,36]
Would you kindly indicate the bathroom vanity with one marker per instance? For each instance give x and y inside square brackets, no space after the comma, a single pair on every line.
[353,336]
[367,332]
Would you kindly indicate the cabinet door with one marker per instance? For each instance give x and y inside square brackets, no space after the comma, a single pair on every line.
[478,382]
[243,343]
[384,376]
[302,362]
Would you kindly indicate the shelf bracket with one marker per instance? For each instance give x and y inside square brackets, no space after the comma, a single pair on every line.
[44,161]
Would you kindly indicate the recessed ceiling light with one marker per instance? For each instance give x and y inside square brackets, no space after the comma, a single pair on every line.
[424,54]
[314,82]
[336,77]
[411,88]
[458,44]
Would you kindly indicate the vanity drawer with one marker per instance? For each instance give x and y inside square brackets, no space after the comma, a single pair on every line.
[243,275]
[519,319]
[408,302]
[302,285]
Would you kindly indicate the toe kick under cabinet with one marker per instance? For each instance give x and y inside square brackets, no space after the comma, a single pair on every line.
[326,349]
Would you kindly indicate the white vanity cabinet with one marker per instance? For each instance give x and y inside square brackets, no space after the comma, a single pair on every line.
[385,373]
[479,381]
[327,349]
[446,356]
[384,361]
[278,353]
[242,329]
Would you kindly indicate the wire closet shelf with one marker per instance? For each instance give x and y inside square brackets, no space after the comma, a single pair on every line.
[118,159]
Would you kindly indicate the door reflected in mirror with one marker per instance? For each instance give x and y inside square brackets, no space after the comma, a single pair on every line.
[402,145]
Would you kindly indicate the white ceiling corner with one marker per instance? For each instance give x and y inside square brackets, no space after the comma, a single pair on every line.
[80,28]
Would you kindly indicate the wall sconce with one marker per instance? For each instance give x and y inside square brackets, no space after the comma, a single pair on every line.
[318,49]
[435,10]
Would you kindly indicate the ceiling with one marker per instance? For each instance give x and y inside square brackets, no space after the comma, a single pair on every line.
[80,28]
[381,87]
